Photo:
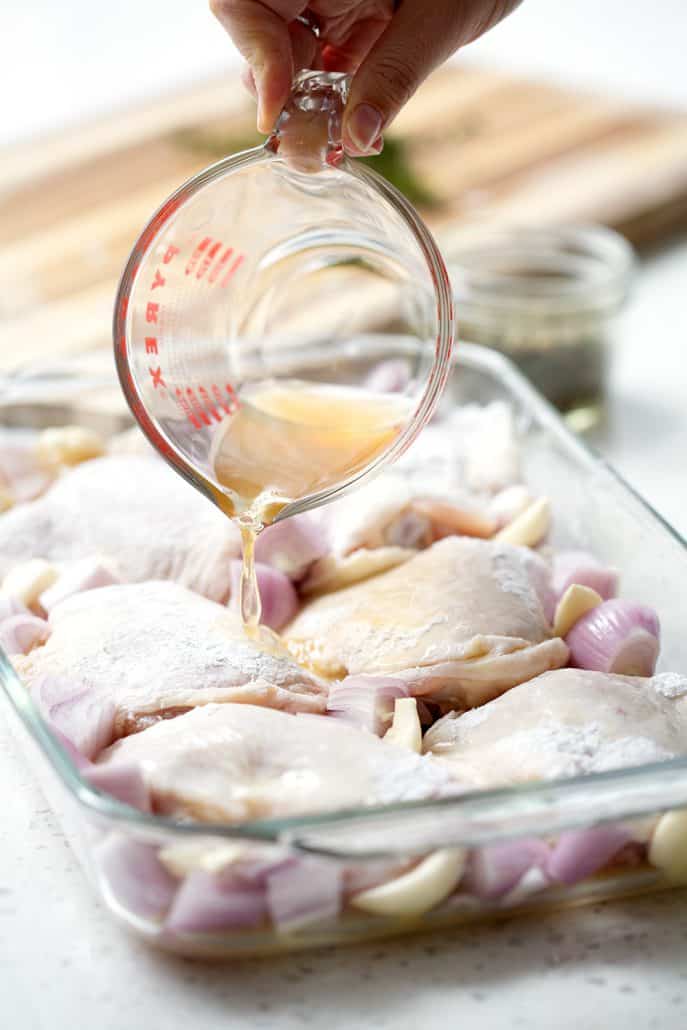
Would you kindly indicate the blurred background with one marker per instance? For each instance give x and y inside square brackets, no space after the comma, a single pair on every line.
[65,60]
[565,115]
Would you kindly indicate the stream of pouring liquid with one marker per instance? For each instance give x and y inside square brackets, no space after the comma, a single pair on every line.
[290,439]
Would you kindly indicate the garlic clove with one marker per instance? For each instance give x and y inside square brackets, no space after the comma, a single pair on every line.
[6,500]
[334,573]
[68,445]
[575,602]
[206,856]
[668,848]
[405,729]
[529,527]
[417,891]
[27,581]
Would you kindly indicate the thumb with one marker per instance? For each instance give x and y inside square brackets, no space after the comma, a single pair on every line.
[419,38]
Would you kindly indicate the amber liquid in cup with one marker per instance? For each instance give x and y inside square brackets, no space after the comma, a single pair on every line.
[307,254]
[289,439]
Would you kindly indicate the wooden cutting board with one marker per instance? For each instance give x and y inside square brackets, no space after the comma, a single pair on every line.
[479,147]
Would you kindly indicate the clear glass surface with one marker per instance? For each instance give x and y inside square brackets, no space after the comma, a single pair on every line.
[286,255]
[593,509]
[548,299]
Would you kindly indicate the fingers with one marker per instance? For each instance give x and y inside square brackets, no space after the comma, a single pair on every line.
[482,15]
[304,47]
[419,37]
[391,58]
[348,55]
[248,80]
[263,38]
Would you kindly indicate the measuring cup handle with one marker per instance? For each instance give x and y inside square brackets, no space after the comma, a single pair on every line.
[308,131]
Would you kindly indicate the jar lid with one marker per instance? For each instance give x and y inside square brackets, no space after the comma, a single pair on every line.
[540,274]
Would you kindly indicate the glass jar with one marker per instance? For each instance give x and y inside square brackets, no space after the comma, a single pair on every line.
[547,298]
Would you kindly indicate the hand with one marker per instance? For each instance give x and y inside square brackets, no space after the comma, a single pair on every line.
[390,48]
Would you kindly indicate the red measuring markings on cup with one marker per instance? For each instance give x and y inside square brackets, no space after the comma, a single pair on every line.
[223,262]
[201,405]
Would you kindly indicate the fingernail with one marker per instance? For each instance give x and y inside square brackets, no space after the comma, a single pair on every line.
[262,119]
[364,126]
[265,118]
[378,145]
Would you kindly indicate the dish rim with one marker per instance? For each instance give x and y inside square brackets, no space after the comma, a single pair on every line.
[477,817]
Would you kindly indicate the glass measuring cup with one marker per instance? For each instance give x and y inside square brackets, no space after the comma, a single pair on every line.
[281,269]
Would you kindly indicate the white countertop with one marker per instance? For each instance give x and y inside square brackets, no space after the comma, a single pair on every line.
[65,965]
[645,437]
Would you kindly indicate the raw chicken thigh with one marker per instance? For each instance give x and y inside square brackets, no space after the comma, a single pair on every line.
[132,441]
[471,448]
[392,511]
[22,477]
[237,762]
[134,511]
[565,723]
[460,622]
[458,478]
[421,594]
[123,656]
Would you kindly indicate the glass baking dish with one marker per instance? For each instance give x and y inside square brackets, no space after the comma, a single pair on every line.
[120,847]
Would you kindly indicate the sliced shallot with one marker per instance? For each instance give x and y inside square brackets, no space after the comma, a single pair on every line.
[207,904]
[366,701]
[135,877]
[579,567]
[19,634]
[581,853]
[278,595]
[86,574]
[292,546]
[494,870]
[410,529]
[617,636]
[79,760]
[77,712]
[123,782]
[308,891]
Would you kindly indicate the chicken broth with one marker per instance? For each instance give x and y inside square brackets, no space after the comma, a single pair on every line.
[290,439]
[251,607]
